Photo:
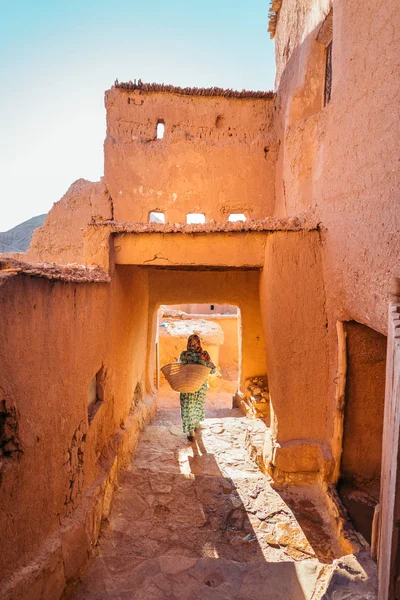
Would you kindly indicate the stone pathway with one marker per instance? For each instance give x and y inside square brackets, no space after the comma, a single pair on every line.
[199,521]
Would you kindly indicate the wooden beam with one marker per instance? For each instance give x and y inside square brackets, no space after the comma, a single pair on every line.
[337,443]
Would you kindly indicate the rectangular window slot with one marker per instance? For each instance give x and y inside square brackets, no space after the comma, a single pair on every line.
[156,217]
[193,218]
[234,217]
[96,394]
[328,75]
[160,130]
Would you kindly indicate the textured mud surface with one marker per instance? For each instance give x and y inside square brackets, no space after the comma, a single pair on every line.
[199,520]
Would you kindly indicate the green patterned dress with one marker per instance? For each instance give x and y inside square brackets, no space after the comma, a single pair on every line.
[193,404]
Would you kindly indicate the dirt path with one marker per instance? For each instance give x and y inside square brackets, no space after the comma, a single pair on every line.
[200,521]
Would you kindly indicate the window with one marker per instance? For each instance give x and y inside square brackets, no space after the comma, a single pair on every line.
[328,75]
[212,307]
[96,393]
[160,129]
[219,121]
[156,217]
[325,37]
[193,218]
[233,218]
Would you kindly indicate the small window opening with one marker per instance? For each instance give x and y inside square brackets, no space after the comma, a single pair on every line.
[96,393]
[219,121]
[233,218]
[160,130]
[193,218]
[328,75]
[212,307]
[325,37]
[156,217]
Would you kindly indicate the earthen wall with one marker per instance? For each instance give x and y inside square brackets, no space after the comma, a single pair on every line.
[340,160]
[58,473]
[295,330]
[61,239]
[217,155]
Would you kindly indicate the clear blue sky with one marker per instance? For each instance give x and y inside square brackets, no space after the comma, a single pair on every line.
[58,58]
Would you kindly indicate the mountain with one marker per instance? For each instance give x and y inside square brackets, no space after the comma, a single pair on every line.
[18,238]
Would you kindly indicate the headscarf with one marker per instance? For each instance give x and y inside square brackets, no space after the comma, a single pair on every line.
[194,345]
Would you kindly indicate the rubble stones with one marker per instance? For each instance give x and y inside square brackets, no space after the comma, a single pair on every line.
[255,400]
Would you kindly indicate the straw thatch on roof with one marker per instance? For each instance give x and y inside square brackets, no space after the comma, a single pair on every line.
[66,273]
[190,91]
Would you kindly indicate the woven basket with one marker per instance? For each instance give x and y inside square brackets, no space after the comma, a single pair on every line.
[185,378]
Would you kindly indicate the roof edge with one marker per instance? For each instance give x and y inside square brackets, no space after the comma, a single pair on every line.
[191,91]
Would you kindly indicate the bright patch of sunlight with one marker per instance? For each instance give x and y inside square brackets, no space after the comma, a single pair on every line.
[210,550]
[156,217]
[236,217]
[184,463]
[192,218]
[160,130]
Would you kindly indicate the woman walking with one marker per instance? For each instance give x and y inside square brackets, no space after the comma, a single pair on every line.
[193,404]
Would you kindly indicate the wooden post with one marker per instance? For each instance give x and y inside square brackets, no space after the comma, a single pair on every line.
[388,547]
[337,443]
[158,351]
[375,532]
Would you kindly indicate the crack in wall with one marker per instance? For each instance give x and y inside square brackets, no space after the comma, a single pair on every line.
[74,466]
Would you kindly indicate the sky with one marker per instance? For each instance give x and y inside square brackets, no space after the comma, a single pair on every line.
[57,58]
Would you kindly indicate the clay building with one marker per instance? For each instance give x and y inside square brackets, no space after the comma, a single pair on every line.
[283,205]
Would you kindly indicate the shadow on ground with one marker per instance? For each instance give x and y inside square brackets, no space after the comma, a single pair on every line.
[199,520]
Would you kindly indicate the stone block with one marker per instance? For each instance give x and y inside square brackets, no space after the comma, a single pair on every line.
[296,457]
[268,448]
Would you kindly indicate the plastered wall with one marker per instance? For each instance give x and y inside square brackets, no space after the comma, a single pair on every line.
[340,161]
[195,167]
[59,483]
[297,348]
[61,239]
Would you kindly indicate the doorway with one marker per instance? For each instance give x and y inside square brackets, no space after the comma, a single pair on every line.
[359,484]
[219,328]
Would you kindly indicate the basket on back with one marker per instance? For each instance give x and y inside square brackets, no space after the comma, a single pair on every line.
[185,378]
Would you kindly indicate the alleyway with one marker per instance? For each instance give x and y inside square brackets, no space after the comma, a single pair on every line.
[200,521]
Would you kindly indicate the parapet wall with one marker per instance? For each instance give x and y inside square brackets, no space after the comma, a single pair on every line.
[59,462]
[217,155]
